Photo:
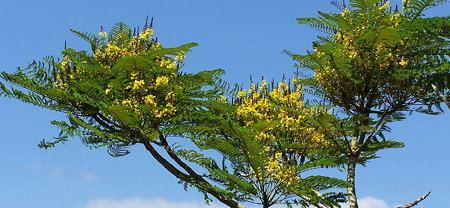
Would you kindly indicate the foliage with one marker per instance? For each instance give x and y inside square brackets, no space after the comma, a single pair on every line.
[376,64]
[269,138]
[129,90]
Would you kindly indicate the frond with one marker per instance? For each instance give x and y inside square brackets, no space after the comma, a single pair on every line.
[320,23]
[118,150]
[339,4]
[363,5]
[119,33]
[90,38]
[415,8]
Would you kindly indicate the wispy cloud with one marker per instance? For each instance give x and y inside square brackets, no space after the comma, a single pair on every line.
[365,202]
[88,177]
[144,203]
[371,202]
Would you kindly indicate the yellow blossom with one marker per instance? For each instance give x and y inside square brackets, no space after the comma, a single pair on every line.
[403,62]
[167,63]
[344,12]
[147,33]
[150,100]
[108,89]
[223,98]
[161,81]
[263,84]
[65,62]
[138,84]
[241,94]
[180,57]
[102,34]
[384,6]
[126,102]
[169,96]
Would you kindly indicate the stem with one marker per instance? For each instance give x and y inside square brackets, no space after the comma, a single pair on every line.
[442,96]
[351,191]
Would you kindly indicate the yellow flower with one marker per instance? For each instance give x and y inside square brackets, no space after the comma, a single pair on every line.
[167,63]
[138,84]
[282,85]
[150,100]
[241,94]
[278,155]
[352,54]
[134,75]
[65,62]
[169,96]
[384,6]
[403,62]
[147,33]
[344,12]
[180,57]
[168,110]
[223,98]
[126,102]
[108,89]
[263,84]
[338,36]
[161,81]
[102,33]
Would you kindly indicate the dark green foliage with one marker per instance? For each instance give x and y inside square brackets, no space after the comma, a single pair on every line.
[376,65]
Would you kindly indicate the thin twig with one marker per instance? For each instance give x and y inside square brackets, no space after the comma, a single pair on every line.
[415,202]
[441,96]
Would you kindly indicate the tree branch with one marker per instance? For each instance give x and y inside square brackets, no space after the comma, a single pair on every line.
[444,99]
[205,185]
[415,202]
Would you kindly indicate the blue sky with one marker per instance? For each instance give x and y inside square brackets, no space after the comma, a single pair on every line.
[242,37]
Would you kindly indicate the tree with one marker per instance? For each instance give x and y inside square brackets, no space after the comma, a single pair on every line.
[374,65]
[269,138]
[128,91]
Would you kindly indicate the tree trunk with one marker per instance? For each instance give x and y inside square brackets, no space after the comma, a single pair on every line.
[351,191]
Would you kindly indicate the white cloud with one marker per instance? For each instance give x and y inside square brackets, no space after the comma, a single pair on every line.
[88,177]
[364,202]
[141,203]
[370,202]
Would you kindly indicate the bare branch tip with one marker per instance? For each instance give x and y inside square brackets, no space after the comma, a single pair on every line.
[415,202]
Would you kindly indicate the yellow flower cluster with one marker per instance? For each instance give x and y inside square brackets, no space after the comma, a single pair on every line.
[167,63]
[150,100]
[152,94]
[65,72]
[146,34]
[161,81]
[356,51]
[284,106]
[137,84]
[133,46]
[112,52]
[102,34]
[168,110]
[146,93]
[280,171]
